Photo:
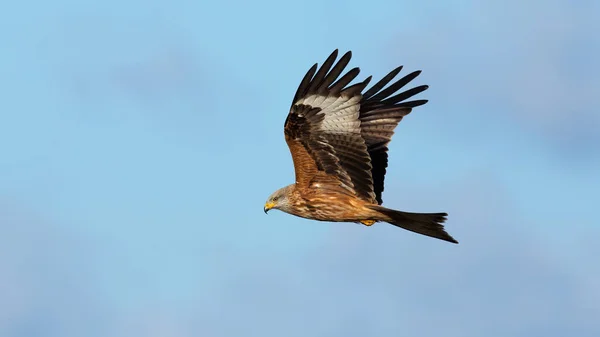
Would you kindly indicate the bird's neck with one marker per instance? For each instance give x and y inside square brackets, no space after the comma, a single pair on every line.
[296,204]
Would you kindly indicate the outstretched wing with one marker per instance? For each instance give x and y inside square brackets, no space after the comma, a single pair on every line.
[323,129]
[380,113]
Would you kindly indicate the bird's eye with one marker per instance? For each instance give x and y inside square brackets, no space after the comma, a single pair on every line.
[275,198]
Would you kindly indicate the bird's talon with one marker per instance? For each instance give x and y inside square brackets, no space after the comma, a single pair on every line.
[367,222]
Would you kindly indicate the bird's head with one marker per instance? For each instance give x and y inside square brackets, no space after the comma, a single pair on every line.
[278,200]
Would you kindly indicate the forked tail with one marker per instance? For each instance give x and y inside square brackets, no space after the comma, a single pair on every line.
[429,224]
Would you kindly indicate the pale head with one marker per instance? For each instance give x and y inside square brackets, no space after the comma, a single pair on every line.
[279,200]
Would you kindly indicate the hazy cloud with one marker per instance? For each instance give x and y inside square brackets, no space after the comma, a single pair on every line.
[45,282]
[535,63]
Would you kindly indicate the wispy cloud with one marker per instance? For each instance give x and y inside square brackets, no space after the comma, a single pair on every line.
[535,63]
[46,286]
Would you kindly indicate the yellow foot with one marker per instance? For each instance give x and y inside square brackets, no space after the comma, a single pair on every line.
[367,222]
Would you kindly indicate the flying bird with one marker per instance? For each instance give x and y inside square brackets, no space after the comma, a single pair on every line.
[338,137]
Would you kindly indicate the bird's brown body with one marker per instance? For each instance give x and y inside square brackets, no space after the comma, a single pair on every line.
[329,205]
[338,139]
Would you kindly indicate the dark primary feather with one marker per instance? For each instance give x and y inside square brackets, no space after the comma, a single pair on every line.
[303,87]
[382,83]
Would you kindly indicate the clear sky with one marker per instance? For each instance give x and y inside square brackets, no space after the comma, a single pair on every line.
[140,139]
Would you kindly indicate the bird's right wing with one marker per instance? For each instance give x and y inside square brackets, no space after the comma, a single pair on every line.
[323,130]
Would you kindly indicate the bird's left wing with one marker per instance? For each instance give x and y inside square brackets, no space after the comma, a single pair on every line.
[323,131]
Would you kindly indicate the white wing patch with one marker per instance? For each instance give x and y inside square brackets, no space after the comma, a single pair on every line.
[340,113]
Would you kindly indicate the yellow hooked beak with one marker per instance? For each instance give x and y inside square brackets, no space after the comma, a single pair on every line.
[268,206]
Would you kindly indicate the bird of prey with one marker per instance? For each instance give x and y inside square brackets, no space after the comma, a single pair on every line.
[338,136]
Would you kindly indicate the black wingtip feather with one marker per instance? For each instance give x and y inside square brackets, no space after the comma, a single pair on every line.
[404,95]
[322,72]
[382,83]
[305,83]
[335,72]
[344,80]
[412,104]
[395,86]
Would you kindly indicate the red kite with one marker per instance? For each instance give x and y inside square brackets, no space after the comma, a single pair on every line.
[338,137]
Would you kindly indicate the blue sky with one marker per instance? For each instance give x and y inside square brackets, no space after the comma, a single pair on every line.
[140,139]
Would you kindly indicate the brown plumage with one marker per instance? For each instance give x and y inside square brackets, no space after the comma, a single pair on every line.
[338,138]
